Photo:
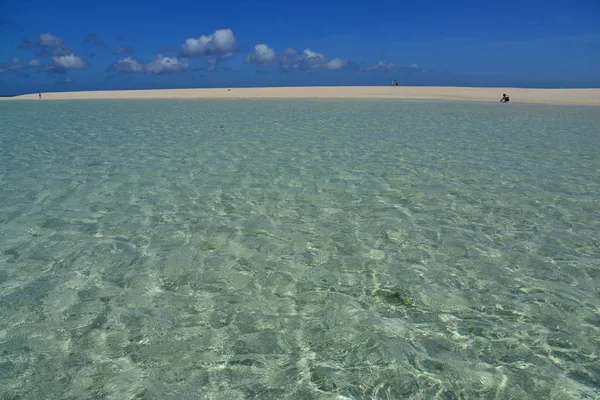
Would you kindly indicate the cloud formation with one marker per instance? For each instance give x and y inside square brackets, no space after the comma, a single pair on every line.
[128,64]
[49,40]
[63,59]
[336,63]
[162,65]
[219,43]
[69,61]
[292,60]
[15,64]
[50,45]
[381,66]
[263,55]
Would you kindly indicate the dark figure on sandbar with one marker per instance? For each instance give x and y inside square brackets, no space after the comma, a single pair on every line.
[396,82]
[40,95]
[504,99]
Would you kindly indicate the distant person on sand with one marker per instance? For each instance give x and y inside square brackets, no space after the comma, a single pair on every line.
[392,82]
[40,95]
[504,99]
[396,82]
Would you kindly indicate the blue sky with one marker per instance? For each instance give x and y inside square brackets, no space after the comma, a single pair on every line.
[75,45]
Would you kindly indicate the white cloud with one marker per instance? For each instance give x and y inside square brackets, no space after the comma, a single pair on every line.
[263,55]
[128,64]
[381,65]
[218,43]
[161,65]
[213,60]
[308,59]
[49,40]
[61,51]
[311,59]
[15,64]
[336,63]
[287,61]
[167,64]
[70,61]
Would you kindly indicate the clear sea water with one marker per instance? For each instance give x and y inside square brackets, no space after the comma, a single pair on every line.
[299,249]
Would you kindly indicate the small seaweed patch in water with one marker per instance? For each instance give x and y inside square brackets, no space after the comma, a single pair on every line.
[100,379]
[396,297]
[206,246]
[13,254]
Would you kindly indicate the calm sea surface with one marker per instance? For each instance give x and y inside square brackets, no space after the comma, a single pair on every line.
[299,250]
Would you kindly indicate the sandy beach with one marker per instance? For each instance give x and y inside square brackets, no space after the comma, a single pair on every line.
[517,95]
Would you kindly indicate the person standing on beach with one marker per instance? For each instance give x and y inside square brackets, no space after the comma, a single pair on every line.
[396,82]
[392,82]
[40,95]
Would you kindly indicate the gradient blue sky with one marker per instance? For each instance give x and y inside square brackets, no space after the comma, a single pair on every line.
[71,45]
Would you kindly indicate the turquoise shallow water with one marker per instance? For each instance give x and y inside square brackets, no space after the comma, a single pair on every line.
[299,250]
